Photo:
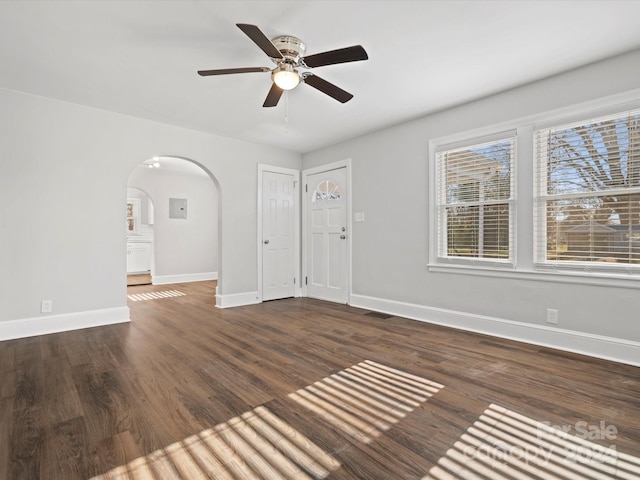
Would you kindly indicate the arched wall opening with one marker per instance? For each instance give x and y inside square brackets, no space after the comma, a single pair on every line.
[183,226]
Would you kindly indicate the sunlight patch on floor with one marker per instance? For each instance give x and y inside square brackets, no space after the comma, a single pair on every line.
[255,445]
[506,445]
[136,297]
[366,399]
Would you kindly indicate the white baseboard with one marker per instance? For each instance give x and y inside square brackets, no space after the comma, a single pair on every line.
[30,327]
[608,348]
[237,299]
[183,278]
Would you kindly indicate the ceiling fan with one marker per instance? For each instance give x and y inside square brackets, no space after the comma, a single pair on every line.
[287,53]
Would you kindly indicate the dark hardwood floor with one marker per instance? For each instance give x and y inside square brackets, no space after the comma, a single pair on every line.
[304,389]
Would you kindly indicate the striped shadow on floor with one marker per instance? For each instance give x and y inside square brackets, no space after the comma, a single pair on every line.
[254,446]
[505,445]
[366,399]
[136,297]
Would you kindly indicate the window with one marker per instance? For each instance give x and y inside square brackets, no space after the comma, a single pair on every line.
[475,201]
[326,190]
[587,204]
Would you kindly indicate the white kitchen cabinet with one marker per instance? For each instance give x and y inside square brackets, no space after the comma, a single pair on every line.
[138,257]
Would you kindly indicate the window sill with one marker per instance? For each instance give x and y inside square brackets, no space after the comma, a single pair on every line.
[546,273]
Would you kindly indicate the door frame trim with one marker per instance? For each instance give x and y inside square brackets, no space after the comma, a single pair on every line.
[296,226]
[346,163]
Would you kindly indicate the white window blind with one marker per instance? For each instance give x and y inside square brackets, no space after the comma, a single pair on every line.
[587,204]
[475,202]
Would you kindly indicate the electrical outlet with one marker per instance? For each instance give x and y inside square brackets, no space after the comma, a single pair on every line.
[46,306]
[552,316]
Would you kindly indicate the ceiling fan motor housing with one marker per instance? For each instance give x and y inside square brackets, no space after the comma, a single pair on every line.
[292,48]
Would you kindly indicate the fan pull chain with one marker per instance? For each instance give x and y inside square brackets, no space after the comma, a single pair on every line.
[286,112]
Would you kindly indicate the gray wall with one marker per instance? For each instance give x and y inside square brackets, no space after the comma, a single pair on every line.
[63,186]
[390,185]
[63,178]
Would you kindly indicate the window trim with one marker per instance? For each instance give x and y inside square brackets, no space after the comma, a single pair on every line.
[551,275]
[437,147]
[524,268]
[541,199]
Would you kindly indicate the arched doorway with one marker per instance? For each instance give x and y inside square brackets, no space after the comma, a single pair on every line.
[180,222]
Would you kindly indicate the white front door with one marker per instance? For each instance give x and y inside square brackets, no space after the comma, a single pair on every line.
[278,235]
[326,235]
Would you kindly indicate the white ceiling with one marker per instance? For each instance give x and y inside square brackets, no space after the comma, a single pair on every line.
[140,58]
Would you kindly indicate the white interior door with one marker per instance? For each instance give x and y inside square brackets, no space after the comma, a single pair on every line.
[326,235]
[278,235]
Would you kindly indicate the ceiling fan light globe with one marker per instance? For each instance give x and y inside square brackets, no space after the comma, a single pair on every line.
[286,79]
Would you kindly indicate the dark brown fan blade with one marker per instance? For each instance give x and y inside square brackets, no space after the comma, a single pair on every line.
[328,88]
[259,38]
[342,55]
[273,97]
[227,71]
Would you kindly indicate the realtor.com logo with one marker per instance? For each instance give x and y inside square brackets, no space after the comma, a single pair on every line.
[555,444]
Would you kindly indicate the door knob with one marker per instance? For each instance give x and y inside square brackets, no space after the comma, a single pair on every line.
[343,237]
[266,242]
